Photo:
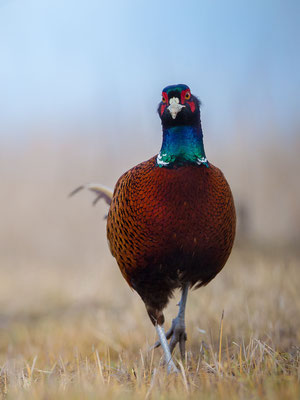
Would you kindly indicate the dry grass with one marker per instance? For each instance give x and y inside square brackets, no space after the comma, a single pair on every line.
[57,343]
[71,328]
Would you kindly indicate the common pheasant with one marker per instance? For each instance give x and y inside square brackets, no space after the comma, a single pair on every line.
[171,222]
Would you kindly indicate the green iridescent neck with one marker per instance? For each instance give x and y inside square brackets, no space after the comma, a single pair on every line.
[182,145]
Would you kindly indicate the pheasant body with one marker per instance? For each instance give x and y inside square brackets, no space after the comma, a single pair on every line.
[170,226]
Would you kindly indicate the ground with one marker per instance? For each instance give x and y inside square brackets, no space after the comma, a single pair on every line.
[80,333]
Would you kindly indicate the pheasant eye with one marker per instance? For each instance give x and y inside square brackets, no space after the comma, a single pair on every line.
[163,99]
[187,95]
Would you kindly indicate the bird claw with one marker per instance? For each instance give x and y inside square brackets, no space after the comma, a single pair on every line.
[177,334]
[155,346]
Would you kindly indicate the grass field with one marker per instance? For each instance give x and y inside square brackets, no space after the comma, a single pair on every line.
[72,329]
[70,342]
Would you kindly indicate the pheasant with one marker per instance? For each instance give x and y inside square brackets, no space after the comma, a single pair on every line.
[171,222]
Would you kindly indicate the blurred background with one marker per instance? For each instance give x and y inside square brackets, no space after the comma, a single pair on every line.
[80,82]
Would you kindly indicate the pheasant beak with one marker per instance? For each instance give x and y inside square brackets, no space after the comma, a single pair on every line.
[174,107]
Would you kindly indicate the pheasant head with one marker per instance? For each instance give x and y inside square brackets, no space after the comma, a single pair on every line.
[179,111]
[179,107]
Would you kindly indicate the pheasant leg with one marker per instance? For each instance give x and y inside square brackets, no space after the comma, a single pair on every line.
[171,367]
[177,332]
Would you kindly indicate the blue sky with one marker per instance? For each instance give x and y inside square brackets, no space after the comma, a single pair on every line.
[101,62]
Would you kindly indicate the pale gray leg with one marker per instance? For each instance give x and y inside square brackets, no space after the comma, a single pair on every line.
[178,325]
[165,346]
[177,331]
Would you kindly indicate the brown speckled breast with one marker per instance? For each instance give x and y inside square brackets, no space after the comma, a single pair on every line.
[167,226]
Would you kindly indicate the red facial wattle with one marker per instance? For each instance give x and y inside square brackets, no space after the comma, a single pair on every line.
[165,102]
[192,105]
[165,97]
[184,99]
[183,94]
